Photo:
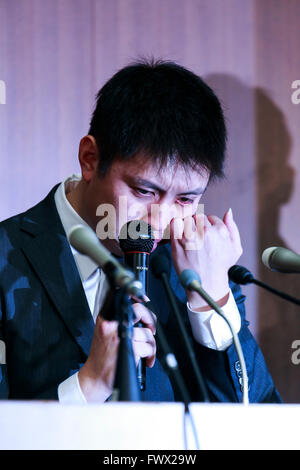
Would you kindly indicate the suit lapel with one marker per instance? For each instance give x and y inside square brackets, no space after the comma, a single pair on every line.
[49,254]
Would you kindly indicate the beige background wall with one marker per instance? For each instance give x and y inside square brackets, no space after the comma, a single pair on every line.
[56,54]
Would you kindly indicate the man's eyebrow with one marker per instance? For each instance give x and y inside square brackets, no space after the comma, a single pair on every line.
[195,191]
[151,185]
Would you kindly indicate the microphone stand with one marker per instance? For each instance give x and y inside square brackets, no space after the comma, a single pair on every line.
[168,358]
[275,291]
[189,348]
[126,387]
[243,276]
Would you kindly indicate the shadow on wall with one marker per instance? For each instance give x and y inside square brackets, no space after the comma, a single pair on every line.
[279,320]
[260,181]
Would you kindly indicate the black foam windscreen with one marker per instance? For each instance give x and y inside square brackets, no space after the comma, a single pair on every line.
[240,275]
[136,235]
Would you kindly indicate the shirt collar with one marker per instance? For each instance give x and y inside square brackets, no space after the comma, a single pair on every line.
[69,217]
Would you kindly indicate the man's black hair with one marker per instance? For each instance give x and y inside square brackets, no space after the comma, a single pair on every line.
[163,110]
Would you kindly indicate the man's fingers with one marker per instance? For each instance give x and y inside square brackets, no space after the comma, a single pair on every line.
[214,220]
[231,226]
[106,328]
[143,315]
[188,232]
[206,222]
[176,228]
[226,227]
[143,335]
[144,345]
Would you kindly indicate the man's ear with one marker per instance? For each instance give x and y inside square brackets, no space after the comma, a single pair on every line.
[88,157]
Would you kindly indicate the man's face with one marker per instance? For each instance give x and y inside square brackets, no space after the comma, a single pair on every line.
[138,189]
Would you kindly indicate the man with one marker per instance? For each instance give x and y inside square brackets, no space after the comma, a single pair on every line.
[157,138]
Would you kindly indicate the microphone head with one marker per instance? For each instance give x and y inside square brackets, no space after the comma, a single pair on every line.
[240,275]
[281,259]
[136,235]
[160,264]
[267,254]
[187,276]
[81,236]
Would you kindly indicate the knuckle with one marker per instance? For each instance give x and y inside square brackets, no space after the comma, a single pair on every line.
[222,229]
[240,250]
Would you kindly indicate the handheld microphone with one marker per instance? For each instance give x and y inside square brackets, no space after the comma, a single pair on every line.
[136,241]
[190,280]
[281,259]
[241,275]
[85,240]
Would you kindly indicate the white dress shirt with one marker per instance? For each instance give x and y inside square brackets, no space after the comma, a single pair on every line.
[208,328]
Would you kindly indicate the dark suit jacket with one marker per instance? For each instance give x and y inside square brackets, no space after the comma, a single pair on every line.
[47,326]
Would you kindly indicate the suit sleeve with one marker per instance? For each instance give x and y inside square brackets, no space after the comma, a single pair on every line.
[261,386]
[4,390]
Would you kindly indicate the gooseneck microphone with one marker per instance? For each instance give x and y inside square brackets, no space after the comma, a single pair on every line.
[136,241]
[160,265]
[281,259]
[241,275]
[190,280]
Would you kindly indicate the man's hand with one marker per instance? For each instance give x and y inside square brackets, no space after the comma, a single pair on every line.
[96,377]
[143,338]
[216,246]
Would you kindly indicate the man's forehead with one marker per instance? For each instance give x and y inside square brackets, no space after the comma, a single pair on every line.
[166,176]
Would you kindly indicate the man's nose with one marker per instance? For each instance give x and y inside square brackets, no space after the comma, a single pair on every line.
[159,217]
